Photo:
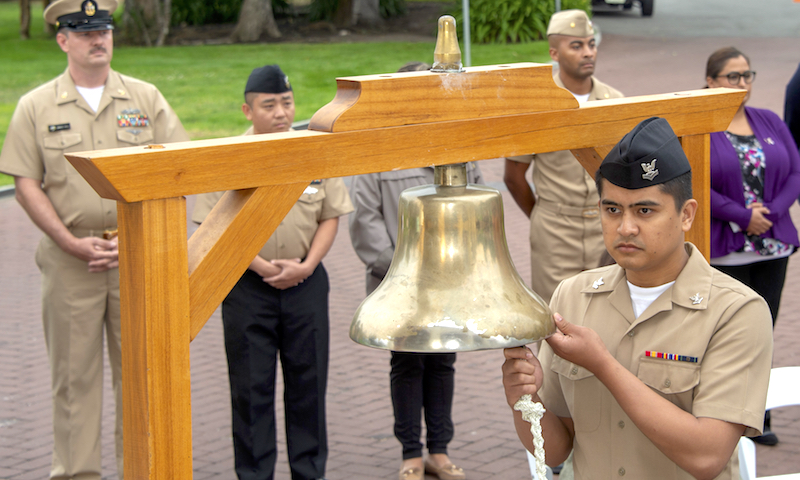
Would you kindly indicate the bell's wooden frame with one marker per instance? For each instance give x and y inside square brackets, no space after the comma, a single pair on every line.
[170,287]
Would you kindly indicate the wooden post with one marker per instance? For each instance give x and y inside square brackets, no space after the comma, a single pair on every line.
[154,295]
[698,150]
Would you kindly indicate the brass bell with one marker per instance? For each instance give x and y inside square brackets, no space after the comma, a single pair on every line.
[451,285]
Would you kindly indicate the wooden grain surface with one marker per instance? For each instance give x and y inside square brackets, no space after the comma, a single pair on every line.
[697,149]
[135,174]
[154,295]
[426,97]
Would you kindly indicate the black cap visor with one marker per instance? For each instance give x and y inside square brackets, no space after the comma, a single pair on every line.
[79,22]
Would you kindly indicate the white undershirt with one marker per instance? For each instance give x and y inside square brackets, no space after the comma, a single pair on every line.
[92,95]
[581,98]
[641,298]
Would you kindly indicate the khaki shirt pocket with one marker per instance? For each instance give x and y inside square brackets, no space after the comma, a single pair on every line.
[56,166]
[582,392]
[674,380]
[310,206]
[139,138]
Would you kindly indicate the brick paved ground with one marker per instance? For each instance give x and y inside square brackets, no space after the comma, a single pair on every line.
[359,409]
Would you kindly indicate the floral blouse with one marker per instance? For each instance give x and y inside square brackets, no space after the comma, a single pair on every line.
[753,163]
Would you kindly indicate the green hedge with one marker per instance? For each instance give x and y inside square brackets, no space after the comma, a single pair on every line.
[209,12]
[511,21]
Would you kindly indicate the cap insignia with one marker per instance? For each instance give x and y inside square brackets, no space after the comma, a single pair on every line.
[286,81]
[650,170]
[597,283]
[696,299]
[89,8]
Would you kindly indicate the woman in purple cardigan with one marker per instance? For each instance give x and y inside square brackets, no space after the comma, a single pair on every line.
[755,178]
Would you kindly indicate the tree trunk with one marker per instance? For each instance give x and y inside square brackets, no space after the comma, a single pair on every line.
[345,15]
[24,19]
[255,17]
[48,29]
[144,20]
[166,15]
[368,12]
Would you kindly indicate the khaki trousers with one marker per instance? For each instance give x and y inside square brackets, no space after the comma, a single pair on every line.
[562,246]
[77,308]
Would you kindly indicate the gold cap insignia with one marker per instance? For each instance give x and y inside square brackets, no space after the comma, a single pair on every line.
[89,8]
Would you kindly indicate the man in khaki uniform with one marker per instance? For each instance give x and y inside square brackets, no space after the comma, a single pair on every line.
[565,223]
[88,107]
[280,305]
[661,362]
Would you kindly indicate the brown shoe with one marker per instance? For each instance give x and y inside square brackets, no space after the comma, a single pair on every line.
[447,472]
[410,474]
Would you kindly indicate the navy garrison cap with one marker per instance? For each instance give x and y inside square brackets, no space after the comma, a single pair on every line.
[81,15]
[267,79]
[650,154]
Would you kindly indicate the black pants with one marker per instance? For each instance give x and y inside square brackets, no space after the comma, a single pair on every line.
[259,322]
[766,278]
[423,380]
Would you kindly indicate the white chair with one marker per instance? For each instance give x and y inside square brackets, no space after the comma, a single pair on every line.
[783,391]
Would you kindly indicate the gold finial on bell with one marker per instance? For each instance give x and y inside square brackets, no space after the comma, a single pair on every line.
[451,285]
[446,55]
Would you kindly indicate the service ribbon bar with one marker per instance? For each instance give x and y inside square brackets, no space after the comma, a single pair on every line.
[671,356]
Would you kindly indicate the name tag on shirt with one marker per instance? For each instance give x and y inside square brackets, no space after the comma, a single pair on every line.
[59,127]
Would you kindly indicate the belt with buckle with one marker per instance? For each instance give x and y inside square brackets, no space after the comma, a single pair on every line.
[569,210]
[107,234]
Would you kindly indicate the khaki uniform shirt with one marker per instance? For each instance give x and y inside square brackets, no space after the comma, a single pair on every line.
[706,315]
[557,176]
[322,200]
[54,119]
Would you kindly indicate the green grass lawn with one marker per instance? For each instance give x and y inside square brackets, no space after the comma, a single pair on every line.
[204,84]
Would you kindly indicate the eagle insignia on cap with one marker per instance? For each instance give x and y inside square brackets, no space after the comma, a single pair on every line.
[650,170]
[286,81]
[89,8]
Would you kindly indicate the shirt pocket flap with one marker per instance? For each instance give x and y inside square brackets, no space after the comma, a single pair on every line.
[62,142]
[669,376]
[569,369]
[138,138]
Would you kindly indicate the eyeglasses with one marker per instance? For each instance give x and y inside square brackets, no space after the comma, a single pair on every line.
[733,77]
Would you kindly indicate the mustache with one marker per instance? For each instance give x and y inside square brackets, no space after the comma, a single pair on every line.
[98,49]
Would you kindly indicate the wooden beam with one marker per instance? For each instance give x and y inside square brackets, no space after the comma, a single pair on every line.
[591,158]
[222,247]
[362,103]
[154,295]
[135,173]
[698,150]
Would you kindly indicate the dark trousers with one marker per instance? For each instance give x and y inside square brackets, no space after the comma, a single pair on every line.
[260,322]
[423,381]
[766,278]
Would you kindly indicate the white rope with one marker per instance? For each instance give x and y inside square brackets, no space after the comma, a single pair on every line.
[533,413]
